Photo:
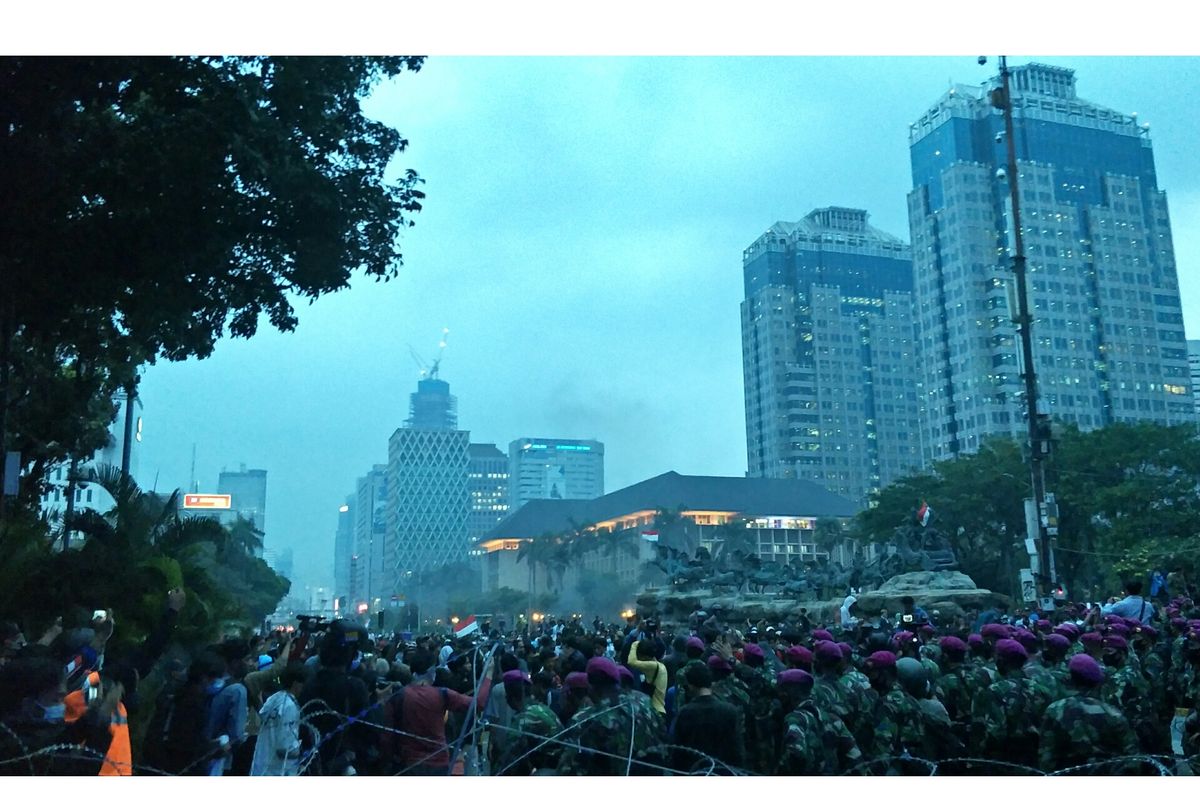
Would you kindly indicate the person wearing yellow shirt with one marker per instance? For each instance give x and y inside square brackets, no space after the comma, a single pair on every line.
[641,658]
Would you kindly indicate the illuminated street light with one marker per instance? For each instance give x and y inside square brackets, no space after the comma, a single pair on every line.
[362,608]
[454,620]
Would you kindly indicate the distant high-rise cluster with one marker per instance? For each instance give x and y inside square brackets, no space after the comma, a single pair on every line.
[439,494]
[864,359]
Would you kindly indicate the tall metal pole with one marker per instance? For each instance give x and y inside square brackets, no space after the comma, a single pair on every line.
[127,444]
[1037,471]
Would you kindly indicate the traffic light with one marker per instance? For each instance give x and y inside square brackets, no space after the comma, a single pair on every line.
[1059,594]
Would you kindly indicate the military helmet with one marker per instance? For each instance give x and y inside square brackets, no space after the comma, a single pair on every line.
[913,676]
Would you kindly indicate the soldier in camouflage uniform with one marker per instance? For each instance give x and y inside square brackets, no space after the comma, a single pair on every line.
[695,655]
[597,742]
[731,689]
[894,718]
[760,680]
[814,742]
[1128,690]
[526,749]
[829,693]
[1054,661]
[952,685]
[1005,716]
[1083,728]
[939,740]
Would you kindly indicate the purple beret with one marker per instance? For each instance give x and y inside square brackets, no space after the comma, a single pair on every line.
[515,676]
[695,643]
[1085,669]
[751,650]
[577,680]
[1043,625]
[828,652]
[1119,630]
[625,673]
[1068,630]
[1110,619]
[1026,637]
[1091,637]
[1011,650]
[881,658]
[718,664]
[820,634]
[1116,642]
[846,649]
[1058,643]
[952,644]
[1146,630]
[602,669]
[927,628]
[800,654]
[796,677]
[903,637]
[992,629]
[975,641]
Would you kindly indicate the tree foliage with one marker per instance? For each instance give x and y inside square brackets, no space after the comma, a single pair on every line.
[1127,499]
[130,558]
[153,205]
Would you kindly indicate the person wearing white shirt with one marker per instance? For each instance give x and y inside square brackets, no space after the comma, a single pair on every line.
[277,751]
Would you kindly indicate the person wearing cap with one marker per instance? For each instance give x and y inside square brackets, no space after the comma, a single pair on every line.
[1082,728]
[694,648]
[1128,690]
[951,684]
[598,742]
[814,742]
[760,680]
[525,749]
[709,725]
[1006,715]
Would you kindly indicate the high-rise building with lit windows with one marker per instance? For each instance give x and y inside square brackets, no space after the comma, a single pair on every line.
[1108,337]
[487,483]
[554,469]
[828,354]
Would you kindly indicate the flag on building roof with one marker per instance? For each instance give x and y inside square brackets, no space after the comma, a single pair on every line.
[650,536]
[924,513]
[466,627]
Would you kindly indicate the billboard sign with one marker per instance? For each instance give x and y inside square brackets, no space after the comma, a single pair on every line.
[207,501]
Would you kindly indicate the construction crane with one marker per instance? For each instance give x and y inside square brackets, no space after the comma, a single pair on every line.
[427,370]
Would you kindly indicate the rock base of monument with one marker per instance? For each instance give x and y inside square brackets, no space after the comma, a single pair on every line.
[947,593]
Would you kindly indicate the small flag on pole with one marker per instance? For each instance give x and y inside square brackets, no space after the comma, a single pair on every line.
[466,627]
[650,536]
[924,513]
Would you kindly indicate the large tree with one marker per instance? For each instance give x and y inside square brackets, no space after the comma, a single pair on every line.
[152,205]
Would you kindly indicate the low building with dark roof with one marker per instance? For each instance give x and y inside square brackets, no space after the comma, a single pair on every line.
[780,513]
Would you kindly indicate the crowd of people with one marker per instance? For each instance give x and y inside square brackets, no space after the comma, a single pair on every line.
[1094,690]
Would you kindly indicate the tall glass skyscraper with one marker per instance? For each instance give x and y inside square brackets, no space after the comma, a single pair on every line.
[829,355]
[1108,328]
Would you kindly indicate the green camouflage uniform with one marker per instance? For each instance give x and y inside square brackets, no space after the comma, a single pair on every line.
[606,727]
[855,697]
[760,729]
[681,687]
[1083,728]
[816,743]
[535,722]
[1129,692]
[954,693]
[1004,720]
[733,690]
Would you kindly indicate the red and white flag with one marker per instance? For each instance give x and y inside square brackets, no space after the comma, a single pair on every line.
[924,513]
[650,536]
[466,627]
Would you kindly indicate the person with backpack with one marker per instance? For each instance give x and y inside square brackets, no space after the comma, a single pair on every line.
[418,712]
[654,673]
[277,747]
[177,740]
[228,702]
[1133,606]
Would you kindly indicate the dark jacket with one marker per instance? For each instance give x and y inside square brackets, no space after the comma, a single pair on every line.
[713,727]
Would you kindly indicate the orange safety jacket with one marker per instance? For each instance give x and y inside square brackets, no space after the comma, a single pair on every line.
[119,758]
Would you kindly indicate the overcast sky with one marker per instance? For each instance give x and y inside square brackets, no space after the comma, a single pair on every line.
[582,241]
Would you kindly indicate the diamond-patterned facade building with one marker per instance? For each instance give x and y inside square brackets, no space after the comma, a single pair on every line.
[428,504]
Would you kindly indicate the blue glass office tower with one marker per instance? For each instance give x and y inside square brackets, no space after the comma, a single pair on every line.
[1108,328]
[828,354]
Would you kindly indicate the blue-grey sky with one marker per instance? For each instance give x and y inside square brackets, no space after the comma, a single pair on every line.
[582,241]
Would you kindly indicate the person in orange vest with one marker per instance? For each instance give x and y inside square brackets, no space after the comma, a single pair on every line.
[119,758]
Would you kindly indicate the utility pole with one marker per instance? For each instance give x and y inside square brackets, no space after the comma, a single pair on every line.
[1037,523]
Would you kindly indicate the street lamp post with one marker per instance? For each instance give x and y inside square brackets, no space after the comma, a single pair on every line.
[1038,440]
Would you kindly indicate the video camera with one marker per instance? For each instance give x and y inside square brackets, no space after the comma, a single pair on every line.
[311,624]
